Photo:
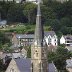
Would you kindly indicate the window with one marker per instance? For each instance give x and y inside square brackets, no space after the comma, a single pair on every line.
[12,70]
[68,37]
[36,54]
[55,43]
[55,39]
[49,40]
[68,42]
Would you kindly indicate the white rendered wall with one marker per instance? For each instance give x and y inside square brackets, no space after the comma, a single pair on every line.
[62,40]
[53,40]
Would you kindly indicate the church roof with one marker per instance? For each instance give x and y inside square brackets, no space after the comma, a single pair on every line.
[24,65]
[46,33]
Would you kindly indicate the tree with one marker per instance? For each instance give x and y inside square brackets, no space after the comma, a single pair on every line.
[47,13]
[55,24]
[59,58]
[15,13]
[66,22]
[30,11]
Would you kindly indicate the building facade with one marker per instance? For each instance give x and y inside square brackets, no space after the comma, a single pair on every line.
[27,39]
[67,40]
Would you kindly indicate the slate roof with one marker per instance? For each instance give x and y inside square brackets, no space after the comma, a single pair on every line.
[68,37]
[69,63]
[24,65]
[25,35]
[52,33]
[15,55]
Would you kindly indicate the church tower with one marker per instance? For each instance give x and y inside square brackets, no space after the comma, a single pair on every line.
[39,48]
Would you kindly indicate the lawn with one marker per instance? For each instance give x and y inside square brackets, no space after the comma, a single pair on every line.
[23,28]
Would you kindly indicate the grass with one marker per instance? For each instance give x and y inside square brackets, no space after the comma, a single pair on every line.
[23,28]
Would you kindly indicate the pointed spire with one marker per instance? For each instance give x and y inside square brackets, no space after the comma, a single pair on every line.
[38,10]
[39,33]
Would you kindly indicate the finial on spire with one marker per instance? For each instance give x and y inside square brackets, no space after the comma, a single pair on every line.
[38,9]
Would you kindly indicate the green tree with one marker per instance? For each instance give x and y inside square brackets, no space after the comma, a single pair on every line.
[47,13]
[30,11]
[66,22]
[55,24]
[15,13]
[59,58]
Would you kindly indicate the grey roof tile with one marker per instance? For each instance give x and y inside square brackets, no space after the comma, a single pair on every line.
[24,65]
[25,35]
[52,33]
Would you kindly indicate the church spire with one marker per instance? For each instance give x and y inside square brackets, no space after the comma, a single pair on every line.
[38,48]
[39,33]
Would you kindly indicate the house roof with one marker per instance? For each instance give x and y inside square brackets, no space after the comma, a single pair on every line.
[52,33]
[68,37]
[24,65]
[69,63]
[10,55]
[25,35]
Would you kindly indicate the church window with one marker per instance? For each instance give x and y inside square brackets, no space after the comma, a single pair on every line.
[12,70]
[36,54]
[36,50]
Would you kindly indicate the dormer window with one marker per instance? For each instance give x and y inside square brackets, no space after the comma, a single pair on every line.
[49,41]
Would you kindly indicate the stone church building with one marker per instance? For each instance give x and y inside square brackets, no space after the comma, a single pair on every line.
[38,61]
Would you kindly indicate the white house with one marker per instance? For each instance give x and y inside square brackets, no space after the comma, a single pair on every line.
[62,40]
[51,38]
[67,40]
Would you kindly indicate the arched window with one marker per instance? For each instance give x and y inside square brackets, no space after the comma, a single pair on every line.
[12,70]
